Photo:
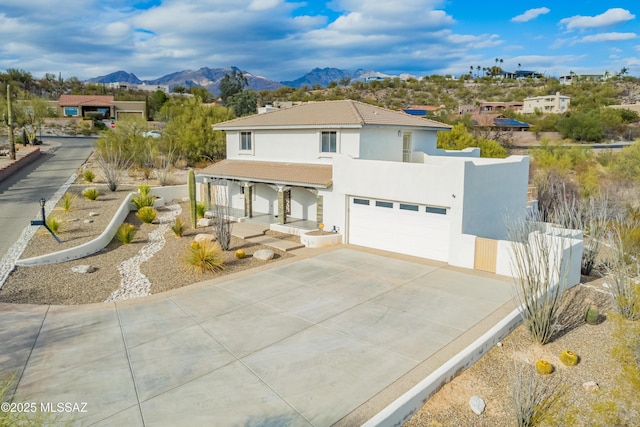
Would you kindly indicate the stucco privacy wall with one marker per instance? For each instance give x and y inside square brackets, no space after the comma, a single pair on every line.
[494,192]
[100,242]
[569,243]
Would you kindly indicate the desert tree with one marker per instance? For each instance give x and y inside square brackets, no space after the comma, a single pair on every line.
[232,84]
[592,216]
[540,265]
[112,160]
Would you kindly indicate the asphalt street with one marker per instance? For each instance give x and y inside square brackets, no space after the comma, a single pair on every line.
[20,193]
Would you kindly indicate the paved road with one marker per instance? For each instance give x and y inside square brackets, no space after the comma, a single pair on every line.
[19,194]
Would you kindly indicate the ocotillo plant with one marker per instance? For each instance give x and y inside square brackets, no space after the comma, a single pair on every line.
[192,198]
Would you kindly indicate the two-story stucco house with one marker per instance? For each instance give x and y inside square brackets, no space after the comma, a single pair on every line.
[556,104]
[371,174]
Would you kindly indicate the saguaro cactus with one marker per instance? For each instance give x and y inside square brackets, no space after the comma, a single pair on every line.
[192,198]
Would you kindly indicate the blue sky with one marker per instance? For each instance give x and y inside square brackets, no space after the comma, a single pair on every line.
[284,39]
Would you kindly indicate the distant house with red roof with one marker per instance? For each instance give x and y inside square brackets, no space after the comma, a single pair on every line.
[99,106]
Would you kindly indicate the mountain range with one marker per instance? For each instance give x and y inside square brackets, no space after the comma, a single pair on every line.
[209,78]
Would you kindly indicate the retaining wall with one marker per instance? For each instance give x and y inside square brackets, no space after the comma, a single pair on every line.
[100,242]
[7,171]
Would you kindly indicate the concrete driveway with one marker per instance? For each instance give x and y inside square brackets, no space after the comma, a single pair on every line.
[313,342]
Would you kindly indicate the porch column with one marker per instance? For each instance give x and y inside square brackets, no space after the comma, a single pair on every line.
[207,194]
[248,199]
[319,209]
[282,211]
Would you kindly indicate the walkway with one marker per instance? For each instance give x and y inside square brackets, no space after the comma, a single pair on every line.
[303,342]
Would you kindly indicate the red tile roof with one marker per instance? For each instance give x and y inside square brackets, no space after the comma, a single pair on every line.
[89,100]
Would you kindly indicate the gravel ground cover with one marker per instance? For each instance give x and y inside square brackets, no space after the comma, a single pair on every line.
[58,284]
[491,378]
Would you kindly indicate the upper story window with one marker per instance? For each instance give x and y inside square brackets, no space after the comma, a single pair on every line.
[329,142]
[245,141]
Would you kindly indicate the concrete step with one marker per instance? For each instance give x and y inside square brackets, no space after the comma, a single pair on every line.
[248,230]
[280,244]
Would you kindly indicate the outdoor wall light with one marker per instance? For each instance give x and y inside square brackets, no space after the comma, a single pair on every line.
[43,221]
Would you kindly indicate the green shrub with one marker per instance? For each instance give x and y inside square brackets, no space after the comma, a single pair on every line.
[67,201]
[147,214]
[54,224]
[143,198]
[240,254]
[178,227]
[126,232]
[202,257]
[201,208]
[88,176]
[91,193]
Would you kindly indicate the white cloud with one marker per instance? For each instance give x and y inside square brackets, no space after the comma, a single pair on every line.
[531,14]
[608,37]
[264,4]
[611,17]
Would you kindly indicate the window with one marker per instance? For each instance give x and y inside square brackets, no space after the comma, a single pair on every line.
[329,142]
[384,204]
[70,111]
[409,207]
[360,202]
[439,211]
[245,141]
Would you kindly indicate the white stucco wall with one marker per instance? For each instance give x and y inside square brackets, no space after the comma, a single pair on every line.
[293,145]
[493,191]
[434,184]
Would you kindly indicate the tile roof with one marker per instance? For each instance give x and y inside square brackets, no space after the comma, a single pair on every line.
[330,114]
[91,100]
[313,175]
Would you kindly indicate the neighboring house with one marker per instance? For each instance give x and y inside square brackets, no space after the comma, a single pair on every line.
[547,104]
[424,110]
[486,107]
[99,106]
[522,74]
[134,86]
[498,122]
[573,77]
[371,174]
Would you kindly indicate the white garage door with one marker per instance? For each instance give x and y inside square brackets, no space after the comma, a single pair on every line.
[407,228]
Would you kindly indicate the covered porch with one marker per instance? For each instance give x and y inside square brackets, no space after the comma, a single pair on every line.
[286,195]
